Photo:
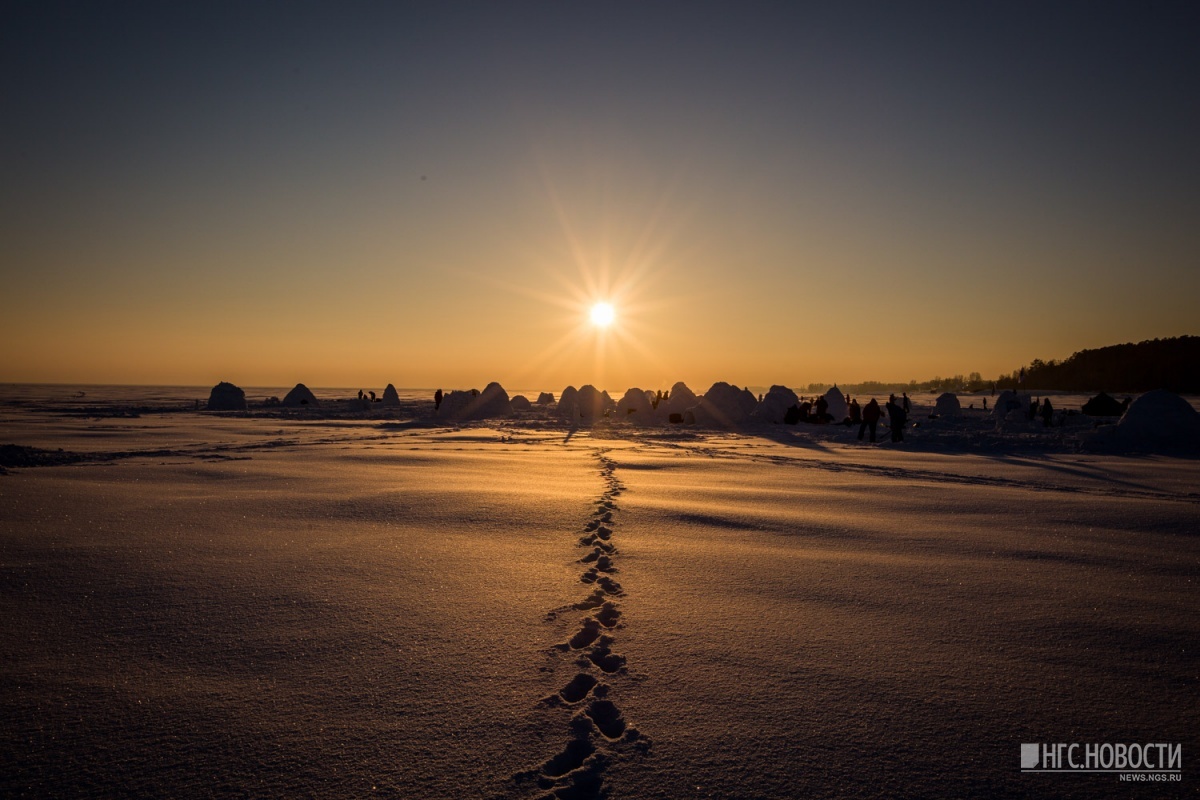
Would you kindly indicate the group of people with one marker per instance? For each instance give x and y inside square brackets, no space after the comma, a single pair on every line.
[1044,410]
[871,413]
[816,411]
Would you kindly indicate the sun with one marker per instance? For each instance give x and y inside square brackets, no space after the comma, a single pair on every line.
[602,315]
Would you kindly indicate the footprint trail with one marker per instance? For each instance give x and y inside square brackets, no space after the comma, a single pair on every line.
[597,732]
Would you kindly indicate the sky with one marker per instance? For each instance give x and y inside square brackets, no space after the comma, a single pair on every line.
[435,194]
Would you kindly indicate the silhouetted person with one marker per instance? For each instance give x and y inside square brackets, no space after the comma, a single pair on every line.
[896,419]
[1047,413]
[907,403]
[1033,409]
[822,409]
[870,418]
[360,394]
[985,404]
[373,400]
[855,413]
[437,399]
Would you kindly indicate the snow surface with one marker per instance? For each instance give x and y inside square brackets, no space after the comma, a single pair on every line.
[280,605]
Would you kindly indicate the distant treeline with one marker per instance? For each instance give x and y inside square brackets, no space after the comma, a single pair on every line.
[1172,364]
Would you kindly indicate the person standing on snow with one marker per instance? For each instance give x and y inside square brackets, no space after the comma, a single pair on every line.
[870,418]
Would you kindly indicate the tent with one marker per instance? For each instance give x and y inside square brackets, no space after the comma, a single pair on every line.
[838,409]
[947,405]
[1103,405]
[226,397]
[774,405]
[300,397]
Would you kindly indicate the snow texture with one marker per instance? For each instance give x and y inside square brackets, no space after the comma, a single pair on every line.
[269,605]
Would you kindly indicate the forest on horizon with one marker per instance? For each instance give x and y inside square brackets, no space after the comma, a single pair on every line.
[1172,364]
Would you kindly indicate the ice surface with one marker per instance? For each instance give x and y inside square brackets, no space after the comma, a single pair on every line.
[283,605]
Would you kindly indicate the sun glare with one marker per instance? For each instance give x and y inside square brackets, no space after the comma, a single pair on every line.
[602,315]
